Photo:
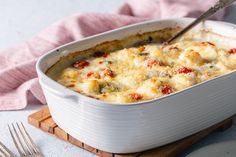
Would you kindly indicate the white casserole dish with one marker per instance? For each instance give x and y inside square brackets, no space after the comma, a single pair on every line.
[130,128]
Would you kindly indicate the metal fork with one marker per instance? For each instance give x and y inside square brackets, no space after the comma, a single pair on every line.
[5,151]
[23,142]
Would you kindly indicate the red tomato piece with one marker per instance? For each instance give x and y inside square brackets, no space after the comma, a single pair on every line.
[152,62]
[136,96]
[108,72]
[105,55]
[184,70]
[232,51]
[81,64]
[141,48]
[89,74]
[167,89]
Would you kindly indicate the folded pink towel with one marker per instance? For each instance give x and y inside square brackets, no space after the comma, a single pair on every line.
[18,79]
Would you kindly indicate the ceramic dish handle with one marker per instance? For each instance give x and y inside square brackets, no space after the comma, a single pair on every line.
[57,90]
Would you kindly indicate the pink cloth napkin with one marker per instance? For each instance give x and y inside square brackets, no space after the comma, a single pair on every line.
[19,84]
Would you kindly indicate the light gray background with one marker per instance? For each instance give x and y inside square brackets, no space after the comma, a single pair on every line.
[20,20]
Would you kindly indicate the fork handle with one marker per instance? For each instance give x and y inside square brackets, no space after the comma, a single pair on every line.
[219,5]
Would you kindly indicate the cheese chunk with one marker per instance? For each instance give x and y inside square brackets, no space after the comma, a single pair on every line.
[181,81]
[190,58]
[90,87]
[228,59]
[150,88]
[207,50]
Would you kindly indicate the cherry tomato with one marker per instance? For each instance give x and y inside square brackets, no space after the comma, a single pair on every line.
[184,70]
[81,64]
[136,96]
[232,51]
[167,89]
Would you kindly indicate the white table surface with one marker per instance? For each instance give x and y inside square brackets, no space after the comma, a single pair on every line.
[22,19]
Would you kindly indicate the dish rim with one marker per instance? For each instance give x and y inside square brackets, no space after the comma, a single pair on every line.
[102,102]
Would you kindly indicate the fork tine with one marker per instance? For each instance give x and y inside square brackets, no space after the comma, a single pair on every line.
[6,149]
[3,152]
[20,141]
[29,147]
[30,139]
[16,144]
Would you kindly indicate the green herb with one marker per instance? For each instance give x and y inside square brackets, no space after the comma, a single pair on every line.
[109,62]
[143,54]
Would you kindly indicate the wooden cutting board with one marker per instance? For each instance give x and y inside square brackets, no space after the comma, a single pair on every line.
[43,120]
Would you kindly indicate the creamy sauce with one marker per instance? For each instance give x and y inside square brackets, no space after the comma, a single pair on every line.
[147,72]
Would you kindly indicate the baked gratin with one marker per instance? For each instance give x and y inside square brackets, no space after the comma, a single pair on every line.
[140,68]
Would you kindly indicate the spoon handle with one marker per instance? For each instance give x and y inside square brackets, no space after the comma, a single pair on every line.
[219,5]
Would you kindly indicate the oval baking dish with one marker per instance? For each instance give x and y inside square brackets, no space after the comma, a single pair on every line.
[134,127]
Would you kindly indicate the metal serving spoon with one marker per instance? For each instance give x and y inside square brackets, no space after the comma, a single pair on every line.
[219,5]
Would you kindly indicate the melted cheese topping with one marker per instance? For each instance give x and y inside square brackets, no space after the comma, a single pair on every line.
[147,72]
